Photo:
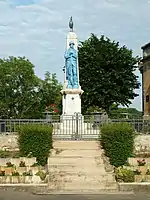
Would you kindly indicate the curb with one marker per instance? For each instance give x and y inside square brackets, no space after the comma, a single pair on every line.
[135,187]
[84,193]
[23,185]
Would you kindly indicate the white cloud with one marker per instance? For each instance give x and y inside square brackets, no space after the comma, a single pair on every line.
[38,30]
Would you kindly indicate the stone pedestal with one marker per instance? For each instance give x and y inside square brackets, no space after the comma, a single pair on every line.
[71,99]
[72,121]
[72,37]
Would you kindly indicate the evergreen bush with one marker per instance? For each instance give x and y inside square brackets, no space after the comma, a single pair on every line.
[35,139]
[117,140]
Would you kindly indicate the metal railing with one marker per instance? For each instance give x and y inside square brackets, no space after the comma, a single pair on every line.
[74,126]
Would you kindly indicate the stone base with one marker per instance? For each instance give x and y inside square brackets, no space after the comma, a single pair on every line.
[71,100]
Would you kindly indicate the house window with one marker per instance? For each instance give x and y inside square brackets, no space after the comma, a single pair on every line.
[147,98]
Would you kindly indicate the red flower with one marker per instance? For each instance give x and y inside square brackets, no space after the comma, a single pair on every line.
[52,105]
[52,108]
[56,111]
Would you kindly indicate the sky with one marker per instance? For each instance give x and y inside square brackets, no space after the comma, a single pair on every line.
[37,29]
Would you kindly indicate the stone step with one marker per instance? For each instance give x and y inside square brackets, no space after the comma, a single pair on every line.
[76,185]
[81,177]
[66,135]
[76,153]
[75,169]
[76,145]
[76,161]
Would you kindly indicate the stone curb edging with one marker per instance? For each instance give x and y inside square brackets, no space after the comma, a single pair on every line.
[92,192]
[23,185]
[32,188]
[135,187]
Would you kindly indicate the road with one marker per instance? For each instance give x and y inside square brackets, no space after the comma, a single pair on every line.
[22,195]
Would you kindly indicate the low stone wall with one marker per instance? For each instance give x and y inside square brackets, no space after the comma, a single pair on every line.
[135,187]
[133,161]
[142,143]
[19,179]
[16,161]
[9,141]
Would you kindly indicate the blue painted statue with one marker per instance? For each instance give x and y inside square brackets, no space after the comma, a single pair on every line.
[71,57]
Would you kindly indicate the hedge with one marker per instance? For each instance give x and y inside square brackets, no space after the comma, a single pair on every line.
[117,140]
[35,139]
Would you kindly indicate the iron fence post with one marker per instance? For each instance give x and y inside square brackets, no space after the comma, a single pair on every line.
[77,131]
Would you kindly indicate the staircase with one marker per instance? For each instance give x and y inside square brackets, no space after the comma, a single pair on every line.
[77,166]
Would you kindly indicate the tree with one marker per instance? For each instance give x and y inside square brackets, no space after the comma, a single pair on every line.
[131,113]
[17,86]
[50,91]
[47,93]
[106,73]
[22,93]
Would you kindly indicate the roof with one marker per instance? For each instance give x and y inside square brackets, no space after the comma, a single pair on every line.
[145,46]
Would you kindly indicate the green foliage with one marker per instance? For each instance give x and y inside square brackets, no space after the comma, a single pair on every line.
[15,174]
[42,175]
[36,139]
[93,109]
[4,154]
[51,90]
[9,164]
[124,175]
[29,173]
[120,113]
[9,154]
[22,93]
[35,165]
[17,83]
[117,139]
[2,173]
[22,164]
[106,73]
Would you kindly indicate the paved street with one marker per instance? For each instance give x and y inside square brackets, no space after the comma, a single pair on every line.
[20,195]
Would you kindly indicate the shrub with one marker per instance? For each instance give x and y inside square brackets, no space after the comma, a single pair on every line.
[15,174]
[35,165]
[2,173]
[4,154]
[9,164]
[117,139]
[137,172]
[22,164]
[148,172]
[41,174]
[141,162]
[9,154]
[36,139]
[124,175]
[29,173]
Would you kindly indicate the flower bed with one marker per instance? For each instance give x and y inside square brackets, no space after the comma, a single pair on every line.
[22,172]
[133,161]
[142,178]
[17,179]
[16,161]
[139,172]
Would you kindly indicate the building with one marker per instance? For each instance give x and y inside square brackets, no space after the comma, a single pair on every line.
[144,68]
